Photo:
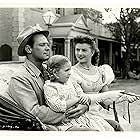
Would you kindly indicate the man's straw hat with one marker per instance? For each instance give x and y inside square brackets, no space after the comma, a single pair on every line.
[25,35]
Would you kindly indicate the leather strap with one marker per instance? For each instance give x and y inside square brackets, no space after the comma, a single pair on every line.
[115,112]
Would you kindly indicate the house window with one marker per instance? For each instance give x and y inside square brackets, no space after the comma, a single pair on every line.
[40,8]
[77,11]
[60,11]
[5,53]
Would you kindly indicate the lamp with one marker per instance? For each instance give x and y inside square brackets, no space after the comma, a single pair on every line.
[49,18]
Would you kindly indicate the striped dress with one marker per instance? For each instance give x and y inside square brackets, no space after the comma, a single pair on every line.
[56,95]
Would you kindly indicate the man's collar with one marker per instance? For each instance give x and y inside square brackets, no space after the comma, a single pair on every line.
[32,68]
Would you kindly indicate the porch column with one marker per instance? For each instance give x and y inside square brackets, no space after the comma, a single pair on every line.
[110,53]
[51,43]
[97,43]
[67,48]
[17,26]
[138,53]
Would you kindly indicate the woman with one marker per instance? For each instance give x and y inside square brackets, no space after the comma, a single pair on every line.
[94,79]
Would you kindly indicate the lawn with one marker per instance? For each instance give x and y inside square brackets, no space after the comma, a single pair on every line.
[133,86]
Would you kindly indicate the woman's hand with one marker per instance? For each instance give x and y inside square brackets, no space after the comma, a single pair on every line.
[106,97]
[114,94]
[110,96]
[131,97]
[77,112]
[122,96]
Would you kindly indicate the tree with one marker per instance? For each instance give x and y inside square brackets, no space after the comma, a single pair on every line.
[126,30]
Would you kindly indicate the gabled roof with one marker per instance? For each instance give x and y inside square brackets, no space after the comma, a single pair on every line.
[69,25]
[68,19]
[72,19]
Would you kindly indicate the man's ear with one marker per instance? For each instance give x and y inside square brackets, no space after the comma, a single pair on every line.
[28,49]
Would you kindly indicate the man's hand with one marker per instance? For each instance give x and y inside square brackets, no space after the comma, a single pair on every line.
[84,99]
[77,112]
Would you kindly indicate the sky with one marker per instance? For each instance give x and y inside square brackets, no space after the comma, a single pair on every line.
[109,16]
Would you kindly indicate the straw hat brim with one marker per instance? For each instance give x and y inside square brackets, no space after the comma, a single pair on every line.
[22,45]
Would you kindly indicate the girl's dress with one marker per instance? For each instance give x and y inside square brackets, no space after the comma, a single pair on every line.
[93,83]
[56,95]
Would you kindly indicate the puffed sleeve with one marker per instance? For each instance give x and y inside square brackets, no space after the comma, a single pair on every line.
[53,99]
[108,74]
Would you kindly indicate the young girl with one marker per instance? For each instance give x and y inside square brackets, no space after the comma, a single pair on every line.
[62,94]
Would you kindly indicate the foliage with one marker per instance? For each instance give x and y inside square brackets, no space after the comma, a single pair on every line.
[126,29]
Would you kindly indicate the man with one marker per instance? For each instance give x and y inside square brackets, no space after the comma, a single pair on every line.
[26,85]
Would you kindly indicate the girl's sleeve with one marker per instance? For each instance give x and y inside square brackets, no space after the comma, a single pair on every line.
[56,102]
[76,81]
[78,88]
[108,74]
[75,76]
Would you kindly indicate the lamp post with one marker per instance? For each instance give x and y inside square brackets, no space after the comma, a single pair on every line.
[49,17]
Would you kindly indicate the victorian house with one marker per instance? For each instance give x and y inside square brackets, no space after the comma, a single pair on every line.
[69,23]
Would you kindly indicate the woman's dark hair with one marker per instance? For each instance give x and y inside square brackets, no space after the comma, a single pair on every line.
[96,57]
[85,39]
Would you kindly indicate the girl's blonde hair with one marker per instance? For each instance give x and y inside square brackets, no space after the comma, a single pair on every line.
[56,62]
